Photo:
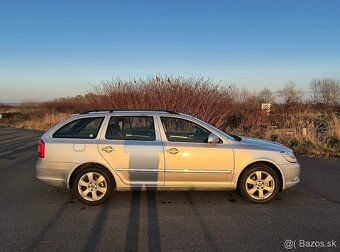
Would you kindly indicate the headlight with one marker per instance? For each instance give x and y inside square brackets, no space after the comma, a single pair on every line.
[289,156]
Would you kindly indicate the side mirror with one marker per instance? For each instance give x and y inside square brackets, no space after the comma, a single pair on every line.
[213,138]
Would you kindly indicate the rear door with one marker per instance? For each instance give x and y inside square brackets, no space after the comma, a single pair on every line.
[131,144]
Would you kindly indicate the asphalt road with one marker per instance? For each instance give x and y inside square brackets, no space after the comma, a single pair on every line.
[35,216]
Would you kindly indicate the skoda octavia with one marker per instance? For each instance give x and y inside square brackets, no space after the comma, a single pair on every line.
[97,152]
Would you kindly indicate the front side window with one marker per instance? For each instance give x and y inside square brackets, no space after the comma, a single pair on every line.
[86,128]
[131,128]
[180,130]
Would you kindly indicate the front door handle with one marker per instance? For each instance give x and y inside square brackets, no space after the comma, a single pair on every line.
[173,151]
[108,149]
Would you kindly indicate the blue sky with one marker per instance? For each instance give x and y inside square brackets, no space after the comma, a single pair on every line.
[56,48]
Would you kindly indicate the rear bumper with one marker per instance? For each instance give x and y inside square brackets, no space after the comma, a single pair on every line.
[54,173]
[291,174]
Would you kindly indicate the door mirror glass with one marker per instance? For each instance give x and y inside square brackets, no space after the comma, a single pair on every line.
[213,138]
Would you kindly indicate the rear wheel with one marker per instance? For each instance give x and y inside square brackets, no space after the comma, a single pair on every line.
[92,186]
[259,184]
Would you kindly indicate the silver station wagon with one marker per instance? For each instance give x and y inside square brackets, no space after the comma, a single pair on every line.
[96,152]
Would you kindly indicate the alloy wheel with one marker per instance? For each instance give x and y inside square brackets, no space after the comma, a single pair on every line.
[260,185]
[92,186]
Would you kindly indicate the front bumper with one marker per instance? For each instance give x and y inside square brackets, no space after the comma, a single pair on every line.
[291,174]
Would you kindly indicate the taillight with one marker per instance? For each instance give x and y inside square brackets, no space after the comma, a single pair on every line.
[41,149]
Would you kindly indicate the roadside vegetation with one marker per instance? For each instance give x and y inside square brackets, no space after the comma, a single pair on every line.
[309,126]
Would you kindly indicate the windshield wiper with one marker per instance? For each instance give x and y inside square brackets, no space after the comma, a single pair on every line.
[236,137]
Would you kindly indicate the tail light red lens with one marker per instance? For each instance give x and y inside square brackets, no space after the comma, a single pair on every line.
[41,149]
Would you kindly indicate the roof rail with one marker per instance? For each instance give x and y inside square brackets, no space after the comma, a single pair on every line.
[118,110]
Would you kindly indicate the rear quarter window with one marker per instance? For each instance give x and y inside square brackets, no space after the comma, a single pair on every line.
[85,128]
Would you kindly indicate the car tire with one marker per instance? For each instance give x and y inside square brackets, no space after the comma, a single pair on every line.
[259,184]
[92,186]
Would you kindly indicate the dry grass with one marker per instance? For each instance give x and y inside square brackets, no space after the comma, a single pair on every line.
[313,131]
[42,123]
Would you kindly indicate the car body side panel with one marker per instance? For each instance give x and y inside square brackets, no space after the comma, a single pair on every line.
[245,156]
[64,155]
[54,173]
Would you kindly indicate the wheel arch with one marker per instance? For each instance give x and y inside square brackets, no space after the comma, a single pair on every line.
[89,164]
[271,165]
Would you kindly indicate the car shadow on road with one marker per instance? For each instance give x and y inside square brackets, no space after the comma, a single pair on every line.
[153,222]
[131,243]
[132,233]
[135,177]
[36,241]
[97,229]
[208,236]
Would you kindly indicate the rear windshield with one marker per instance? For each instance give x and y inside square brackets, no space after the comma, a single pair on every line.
[86,128]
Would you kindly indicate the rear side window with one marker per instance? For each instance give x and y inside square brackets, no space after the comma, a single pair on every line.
[86,128]
[131,128]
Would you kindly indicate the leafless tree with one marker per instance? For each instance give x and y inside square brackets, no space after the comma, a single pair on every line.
[329,91]
[266,96]
[326,91]
[314,87]
[291,94]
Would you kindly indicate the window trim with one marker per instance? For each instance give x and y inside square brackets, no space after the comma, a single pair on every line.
[140,116]
[165,132]
[78,119]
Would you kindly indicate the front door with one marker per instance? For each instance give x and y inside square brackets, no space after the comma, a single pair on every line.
[190,160]
[132,146]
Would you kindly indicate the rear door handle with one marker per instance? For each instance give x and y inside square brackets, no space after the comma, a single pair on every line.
[108,149]
[173,151]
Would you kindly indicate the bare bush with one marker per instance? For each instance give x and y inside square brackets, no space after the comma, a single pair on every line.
[5,107]
[291,94]
[314,88]
[266,96]
[308,129]
[326,91]
[219,105]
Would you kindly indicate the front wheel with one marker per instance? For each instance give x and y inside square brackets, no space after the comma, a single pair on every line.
[259,184]
[92,186]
